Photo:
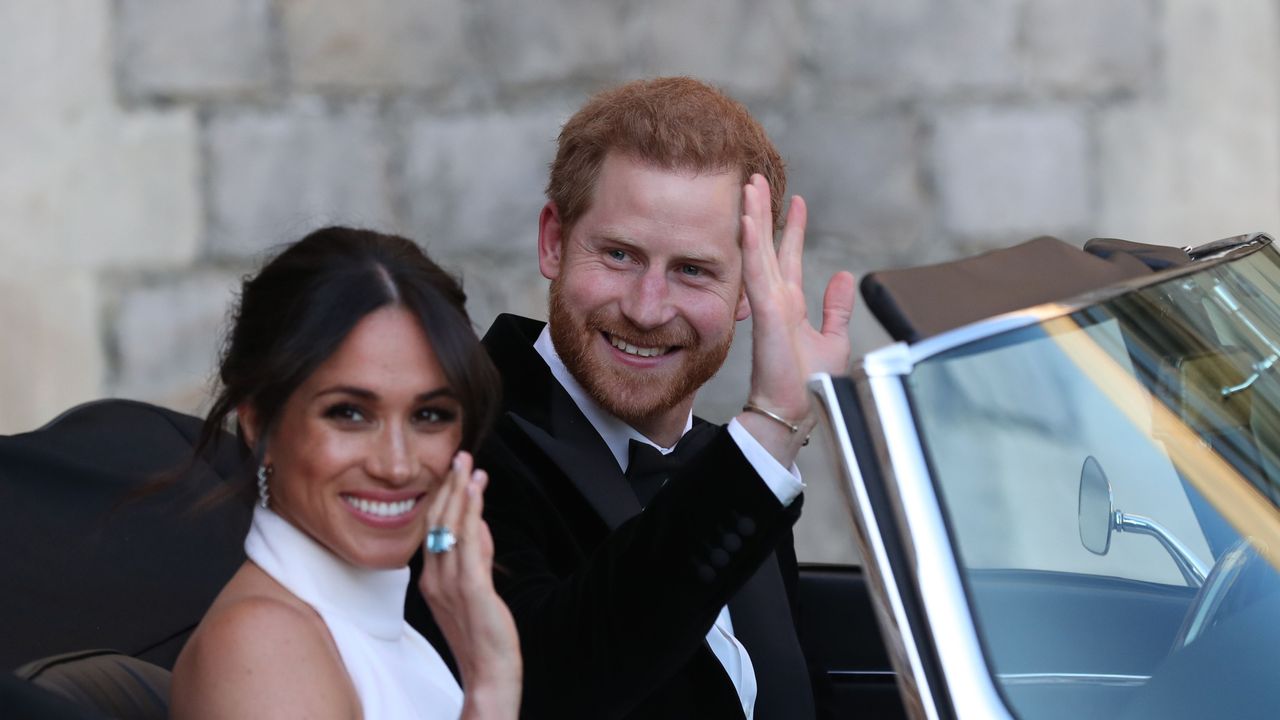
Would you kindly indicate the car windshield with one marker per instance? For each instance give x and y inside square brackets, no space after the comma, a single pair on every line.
[1110,478]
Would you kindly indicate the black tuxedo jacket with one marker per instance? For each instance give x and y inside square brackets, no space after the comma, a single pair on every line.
[613,604]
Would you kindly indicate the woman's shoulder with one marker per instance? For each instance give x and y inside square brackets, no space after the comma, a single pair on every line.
[255,649]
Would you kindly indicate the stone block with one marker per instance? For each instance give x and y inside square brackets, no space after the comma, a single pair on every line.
[1219,58]
[102,190]
[194,48]
[911,48]
[1091,46]
[1196,161]
[275,174]
[860,175]
[1012,173]
[52,358]
[752,49]
[393,44]
[55,61]
[478,180]
[1170,178]
[497,282]
[557,40]
[166,335]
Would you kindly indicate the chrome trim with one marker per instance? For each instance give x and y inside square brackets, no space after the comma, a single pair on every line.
[898,636]
[862,673]
[935,573]
[1216,247]
[1193,569]
[1109,679]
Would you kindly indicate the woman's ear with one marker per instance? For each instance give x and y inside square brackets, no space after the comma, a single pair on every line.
[248,421]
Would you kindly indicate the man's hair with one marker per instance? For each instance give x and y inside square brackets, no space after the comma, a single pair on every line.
[673,123]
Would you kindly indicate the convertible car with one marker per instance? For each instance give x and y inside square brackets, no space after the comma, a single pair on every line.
[1063,479]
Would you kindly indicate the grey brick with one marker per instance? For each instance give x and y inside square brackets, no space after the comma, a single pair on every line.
[1091,46]
[1196,161]
[101,189]
[1171,179]
[193,48]
[276,174]
[860,176]
[55,60]
[497,282]
[166,336]
[478,180]
[1010,173]
[52,359]
[751,48]
[909,48]
[557,40]
[385,44]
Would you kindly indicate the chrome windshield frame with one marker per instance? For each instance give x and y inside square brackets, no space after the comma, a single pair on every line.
[879,377]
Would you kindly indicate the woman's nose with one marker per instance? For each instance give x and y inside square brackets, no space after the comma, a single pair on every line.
[392,460]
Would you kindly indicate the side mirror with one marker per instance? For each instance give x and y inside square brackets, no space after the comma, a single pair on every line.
[1095,509]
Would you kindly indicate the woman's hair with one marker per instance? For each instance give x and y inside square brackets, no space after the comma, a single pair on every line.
[295,313]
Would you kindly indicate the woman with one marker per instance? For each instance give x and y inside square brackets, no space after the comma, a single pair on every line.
[359,387]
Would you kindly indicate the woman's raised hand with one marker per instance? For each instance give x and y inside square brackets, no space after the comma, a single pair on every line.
[457,584]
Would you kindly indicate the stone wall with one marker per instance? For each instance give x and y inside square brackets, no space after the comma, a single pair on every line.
[152,150]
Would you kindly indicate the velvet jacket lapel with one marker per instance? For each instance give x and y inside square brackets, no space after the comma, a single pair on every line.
[540,407]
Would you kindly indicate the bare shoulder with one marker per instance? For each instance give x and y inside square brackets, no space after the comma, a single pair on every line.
[261,654]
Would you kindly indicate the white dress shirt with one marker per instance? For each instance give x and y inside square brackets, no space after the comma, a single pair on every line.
[785,484]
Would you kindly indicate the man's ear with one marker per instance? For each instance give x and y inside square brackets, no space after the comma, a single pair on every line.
[248,421]
[743,310]
[550,241]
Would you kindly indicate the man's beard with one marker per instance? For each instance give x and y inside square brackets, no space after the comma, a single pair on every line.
[630,394]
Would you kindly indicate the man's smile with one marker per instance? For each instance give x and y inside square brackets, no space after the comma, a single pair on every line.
[638,350]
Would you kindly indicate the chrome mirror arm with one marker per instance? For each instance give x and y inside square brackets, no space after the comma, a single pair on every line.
[1192,568]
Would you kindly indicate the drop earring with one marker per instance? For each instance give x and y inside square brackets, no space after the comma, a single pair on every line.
[264,493]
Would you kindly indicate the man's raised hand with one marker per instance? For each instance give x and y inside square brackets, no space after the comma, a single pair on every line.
[785,347]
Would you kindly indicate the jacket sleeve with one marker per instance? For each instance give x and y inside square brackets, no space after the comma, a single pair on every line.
[605,621]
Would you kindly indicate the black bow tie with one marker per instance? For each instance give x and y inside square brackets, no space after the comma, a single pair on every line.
[648,469]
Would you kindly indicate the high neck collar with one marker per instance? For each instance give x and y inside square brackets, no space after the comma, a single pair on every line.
[371,599]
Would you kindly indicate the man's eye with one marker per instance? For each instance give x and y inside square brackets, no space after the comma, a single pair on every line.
[345,412]
[618,255]
[690,270]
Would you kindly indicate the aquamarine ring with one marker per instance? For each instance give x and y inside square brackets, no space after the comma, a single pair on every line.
[440,539]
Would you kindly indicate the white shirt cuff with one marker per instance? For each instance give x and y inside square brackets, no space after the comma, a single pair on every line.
[784,482]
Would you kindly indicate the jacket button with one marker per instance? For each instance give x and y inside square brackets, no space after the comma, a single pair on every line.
[731,542]
[719,558]
[706,573]
[746,527]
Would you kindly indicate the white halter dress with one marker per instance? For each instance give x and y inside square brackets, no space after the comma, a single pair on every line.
[395,670]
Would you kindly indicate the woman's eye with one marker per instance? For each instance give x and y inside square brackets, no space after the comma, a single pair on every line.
[345,412]
[435,416]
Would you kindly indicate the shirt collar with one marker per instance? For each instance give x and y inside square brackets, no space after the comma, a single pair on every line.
[616,433]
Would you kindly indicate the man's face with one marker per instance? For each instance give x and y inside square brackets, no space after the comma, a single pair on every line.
[647,287]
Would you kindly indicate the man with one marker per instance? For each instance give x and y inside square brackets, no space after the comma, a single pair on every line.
[639,590]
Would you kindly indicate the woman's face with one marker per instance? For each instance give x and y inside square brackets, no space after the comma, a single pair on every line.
[364,442]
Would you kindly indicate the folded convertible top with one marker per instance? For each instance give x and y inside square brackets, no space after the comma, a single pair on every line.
[915,303]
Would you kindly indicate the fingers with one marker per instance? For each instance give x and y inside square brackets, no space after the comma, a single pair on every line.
[837,305]
[791,247]
[459,469]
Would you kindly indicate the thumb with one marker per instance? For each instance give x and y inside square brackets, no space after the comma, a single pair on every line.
[837,305]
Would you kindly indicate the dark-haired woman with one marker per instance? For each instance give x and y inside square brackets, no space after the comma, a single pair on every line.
[358,386]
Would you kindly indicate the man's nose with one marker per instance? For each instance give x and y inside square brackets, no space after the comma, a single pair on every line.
[648,303]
